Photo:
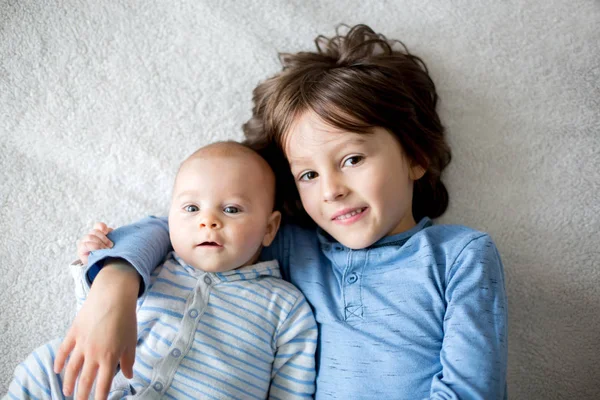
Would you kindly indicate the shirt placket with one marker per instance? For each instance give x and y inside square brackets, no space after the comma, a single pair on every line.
[166,368]
[351,283]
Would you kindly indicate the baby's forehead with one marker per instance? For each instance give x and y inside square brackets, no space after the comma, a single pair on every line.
[241,169]
[248,162]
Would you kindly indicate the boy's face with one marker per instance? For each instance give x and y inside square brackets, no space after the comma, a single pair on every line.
[221,211]
[357,187]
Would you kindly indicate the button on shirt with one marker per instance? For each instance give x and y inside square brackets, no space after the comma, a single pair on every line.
[237,334]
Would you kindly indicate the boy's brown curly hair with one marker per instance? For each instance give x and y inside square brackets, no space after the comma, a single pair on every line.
[354,81]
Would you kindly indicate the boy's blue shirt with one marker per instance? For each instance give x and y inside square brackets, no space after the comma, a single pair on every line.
[420,314]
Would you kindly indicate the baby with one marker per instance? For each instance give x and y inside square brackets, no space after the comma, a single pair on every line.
[213,323]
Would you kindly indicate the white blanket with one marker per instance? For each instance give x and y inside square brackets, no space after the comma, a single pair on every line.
[100,100]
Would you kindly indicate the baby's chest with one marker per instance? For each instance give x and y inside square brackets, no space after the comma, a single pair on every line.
[207,336]
[204,322]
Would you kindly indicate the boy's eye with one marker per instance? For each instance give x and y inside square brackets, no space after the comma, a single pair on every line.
[307,176]
[231,210]
[191,208]
[353,160]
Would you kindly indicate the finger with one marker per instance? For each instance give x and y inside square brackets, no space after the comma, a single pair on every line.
[63,352]
[101,226]
[86,380]
[96,237]
[104,381]
[93,244]
[73,367]
[110,230]
[127,361]
[102,236]
[84,250]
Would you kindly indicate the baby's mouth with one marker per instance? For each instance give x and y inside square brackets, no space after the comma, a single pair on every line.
[209,244]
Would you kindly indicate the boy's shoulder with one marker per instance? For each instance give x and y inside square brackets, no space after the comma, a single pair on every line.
[453,233]
[453,238]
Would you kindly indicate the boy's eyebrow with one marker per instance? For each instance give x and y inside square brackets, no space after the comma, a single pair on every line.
[353,141]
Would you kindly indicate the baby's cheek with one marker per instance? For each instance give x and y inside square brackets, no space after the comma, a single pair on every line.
[179,240]
[250,240]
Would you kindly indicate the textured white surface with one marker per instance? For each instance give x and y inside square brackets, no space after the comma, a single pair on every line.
[100,100]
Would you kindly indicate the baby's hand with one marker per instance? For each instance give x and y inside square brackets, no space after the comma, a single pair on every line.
[96,239]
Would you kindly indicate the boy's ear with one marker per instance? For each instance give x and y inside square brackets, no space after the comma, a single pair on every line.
[416,172]
[272,228]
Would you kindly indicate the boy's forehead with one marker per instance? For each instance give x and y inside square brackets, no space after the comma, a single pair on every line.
[309,130]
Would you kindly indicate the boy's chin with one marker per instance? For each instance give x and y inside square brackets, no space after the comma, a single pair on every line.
[355,241]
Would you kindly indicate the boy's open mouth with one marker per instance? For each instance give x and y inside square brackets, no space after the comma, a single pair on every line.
[345,214]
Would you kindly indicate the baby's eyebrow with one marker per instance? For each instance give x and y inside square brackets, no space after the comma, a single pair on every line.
[241,197]
[235,197]
[186,193]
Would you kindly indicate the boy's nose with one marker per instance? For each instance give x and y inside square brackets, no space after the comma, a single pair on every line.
[333,189]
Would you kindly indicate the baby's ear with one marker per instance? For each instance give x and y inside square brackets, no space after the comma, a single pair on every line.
[272,228]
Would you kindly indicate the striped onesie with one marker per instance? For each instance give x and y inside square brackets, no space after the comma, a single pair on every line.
[240,334]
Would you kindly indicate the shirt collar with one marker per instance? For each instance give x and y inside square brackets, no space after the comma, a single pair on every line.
[264,268]
[394,240]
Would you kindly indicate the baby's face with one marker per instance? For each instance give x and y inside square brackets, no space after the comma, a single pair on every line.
[222,212]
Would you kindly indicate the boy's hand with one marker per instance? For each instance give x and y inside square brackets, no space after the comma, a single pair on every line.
[103,334]
[96,239]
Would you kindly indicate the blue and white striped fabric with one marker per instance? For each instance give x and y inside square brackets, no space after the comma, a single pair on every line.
[241,334]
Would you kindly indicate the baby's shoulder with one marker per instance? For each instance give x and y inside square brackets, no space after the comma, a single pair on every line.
[280,287]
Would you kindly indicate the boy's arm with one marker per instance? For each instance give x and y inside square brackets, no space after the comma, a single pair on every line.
[474,350]
[143,245]
[294,372]
[103,333]
[80,282]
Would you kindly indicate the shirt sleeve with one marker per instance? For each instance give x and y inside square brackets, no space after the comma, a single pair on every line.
[474,350]
[76,268]
[143,244]
[294,372]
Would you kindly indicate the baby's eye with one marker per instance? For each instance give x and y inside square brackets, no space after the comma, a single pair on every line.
[231,210]
[353,160]
[307,176]
[191,208]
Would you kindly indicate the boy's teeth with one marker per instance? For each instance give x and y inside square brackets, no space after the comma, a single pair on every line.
[351,214]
